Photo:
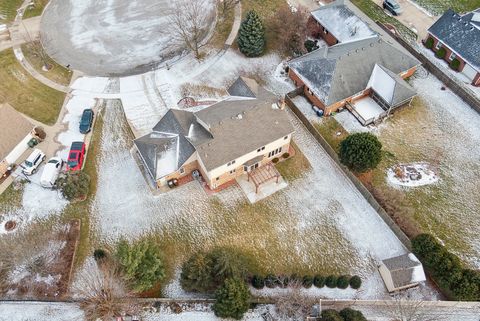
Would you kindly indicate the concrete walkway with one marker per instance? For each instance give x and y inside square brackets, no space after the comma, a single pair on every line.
[236,25]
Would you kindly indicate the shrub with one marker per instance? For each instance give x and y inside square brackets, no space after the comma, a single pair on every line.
[99,254]
[197,273]
[319,281]
[232,299]
[271,281]
[141,263]
[330,315]
[228,263]
[446,268]
[429,43]
[440,53]
[74,185]
[251,36]
[307,281]
[286,155]
[360,152]
[342,282]
[331,281]
[258,282]
[275,160]
[310,45]
[355,282]
[455,64]
[283,281]
[352,315]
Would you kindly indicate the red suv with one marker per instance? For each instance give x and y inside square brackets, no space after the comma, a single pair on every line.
[75,156]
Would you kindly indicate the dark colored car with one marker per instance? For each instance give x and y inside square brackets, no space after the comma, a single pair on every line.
[75,156]
[86,121]
[392,6]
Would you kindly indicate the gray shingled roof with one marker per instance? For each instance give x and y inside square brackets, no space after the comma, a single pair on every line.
[337,72]
[402,91]
[13,129]
[342,23]
[405,269]
[461,34]
[233,128]
[243,87]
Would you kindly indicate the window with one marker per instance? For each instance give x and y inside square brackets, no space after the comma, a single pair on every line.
[231,163]
[325,31]
[275,152]
[285,137]
[309,91]
[217,178]
[438,45]
[182,170]
[232,171]
[245,168]
[260,149]
[452,56]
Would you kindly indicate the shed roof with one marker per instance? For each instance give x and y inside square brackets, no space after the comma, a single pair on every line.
[405,269]
[14,127]
[461,34]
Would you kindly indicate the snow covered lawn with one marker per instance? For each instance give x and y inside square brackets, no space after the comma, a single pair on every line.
[318,224]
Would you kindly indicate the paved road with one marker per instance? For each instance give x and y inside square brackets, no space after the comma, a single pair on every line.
[414,17]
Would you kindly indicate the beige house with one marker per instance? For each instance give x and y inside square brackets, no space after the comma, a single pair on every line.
[15,133]
[401,272]
[221,142]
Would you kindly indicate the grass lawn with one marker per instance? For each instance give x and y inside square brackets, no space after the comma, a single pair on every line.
[223,27]
[36,9]
[332,131]
[34,53]
[294,167]
[266,10]
[8,10]
[25,93]
[376,13]
[438,7]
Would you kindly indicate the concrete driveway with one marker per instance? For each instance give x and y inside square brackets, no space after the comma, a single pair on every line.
[414,17]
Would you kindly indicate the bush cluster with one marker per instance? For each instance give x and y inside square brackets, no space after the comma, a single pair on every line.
[446,269]
[319,281]
[204,272]
[360,152]
[455,64]
[346,314]
[310,45]
[429,43]
[74,185]
[440,53]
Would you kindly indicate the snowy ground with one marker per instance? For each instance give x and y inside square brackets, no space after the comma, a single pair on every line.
[112,37]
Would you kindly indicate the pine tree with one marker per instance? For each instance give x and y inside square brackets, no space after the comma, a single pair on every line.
[232,299]
[197,273]
[251,37]
[141,263]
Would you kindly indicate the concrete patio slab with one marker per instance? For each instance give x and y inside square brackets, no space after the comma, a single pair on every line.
[264,190]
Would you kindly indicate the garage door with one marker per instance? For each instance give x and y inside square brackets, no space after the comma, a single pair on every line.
[469,72]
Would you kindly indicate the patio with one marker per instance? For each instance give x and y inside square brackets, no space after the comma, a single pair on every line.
[367,110]
[261,182]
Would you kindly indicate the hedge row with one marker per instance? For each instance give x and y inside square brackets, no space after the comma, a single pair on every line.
[331,281]
[445,267]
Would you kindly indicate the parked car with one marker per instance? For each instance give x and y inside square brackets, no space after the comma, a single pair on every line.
[86,121]
[392,6]
[75,156]
[51,171]
[31,164]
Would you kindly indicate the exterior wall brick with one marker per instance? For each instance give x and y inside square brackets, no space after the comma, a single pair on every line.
[476,80]
[447,54]
[188,169]
[316,30]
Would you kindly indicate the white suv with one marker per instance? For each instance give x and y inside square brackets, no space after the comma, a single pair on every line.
[33,161]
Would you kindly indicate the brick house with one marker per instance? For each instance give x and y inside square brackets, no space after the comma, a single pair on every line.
[361,68]
[459,36]
[221,142]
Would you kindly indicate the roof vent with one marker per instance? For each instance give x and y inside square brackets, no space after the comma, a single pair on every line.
[239,116]
[356,50]
[372,44]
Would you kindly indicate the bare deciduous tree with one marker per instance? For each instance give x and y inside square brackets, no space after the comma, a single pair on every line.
[294,305]
[189,24]
[226,5]
[291,29]
[404,309]
[102,292]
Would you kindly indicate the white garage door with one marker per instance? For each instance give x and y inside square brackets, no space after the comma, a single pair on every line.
[469,72]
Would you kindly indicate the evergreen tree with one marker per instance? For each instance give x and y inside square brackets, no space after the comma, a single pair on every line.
[251,37]
[232,299]
[360,152]
[228,263]
[197,273]
[349,314]
[330,315]
[141,263]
